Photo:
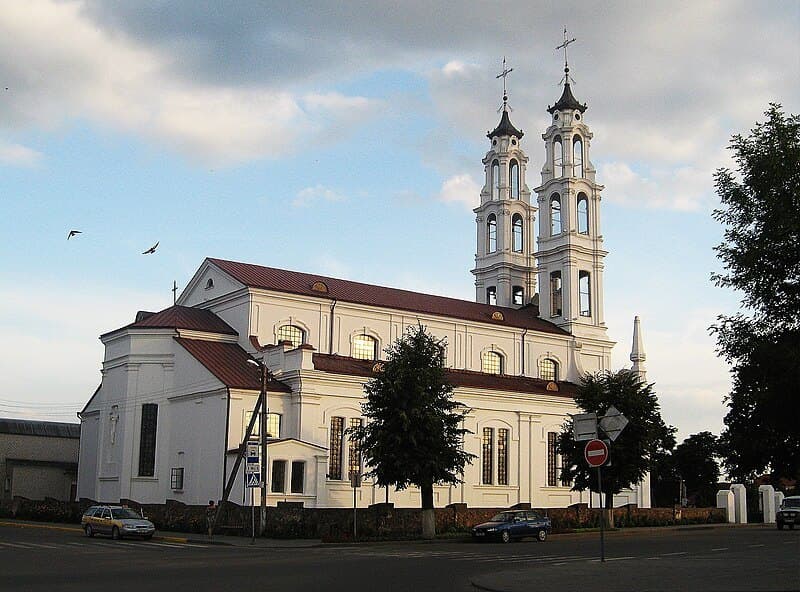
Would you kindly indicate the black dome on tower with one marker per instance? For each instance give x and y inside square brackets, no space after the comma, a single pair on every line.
[505,127]
[567,100]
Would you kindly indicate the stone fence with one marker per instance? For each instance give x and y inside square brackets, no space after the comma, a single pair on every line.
[380,521]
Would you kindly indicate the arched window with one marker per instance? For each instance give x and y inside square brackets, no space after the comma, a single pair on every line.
[291,333]
[516,233]
[555,214]
[548,369]
[491,295]
[558,157]
[584,294]
[491,233]
[495,180]
[518,295]
[555,294]
[577,156]
[491,362]
[583,214]
[513,170]
[365,347]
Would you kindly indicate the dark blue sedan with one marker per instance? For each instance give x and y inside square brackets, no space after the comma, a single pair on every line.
[513,524]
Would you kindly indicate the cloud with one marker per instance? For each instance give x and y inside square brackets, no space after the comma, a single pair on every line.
[18,155]
[680,188]
[460,189]
[310,195]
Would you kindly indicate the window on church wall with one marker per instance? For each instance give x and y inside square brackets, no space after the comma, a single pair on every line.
[491,295]
[558,157]
[577,156]
[278,476]
[365,347]
[491,233]
[335,448]
[518,295]
[555,294]
[502,456]
[354,453]
[516,233]
[291,333]
[548,369]
[147,440]
[491,362]
[584,294]
[298,476]
[583,214]
[555,215]
[273,421]
[513,170]
[487,444]
[495,180]
[552,459]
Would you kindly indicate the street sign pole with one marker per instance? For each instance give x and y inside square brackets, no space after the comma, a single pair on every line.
[602,519]
[596,455]
[252,517]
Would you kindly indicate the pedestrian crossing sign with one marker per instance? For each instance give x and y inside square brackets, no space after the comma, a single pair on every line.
[253,480]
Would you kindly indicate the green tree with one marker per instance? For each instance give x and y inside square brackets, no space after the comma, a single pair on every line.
[760,212]
[413,433]
[631,455]
[695,463]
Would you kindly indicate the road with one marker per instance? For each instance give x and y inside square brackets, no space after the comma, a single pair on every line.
[704,559]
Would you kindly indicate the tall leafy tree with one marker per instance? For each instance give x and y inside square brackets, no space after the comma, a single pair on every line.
[413,433]
[695,463]
[760,212]
[632,454]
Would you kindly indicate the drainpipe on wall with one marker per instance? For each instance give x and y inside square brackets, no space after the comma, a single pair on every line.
[225,441]
[524,332]
[330,336]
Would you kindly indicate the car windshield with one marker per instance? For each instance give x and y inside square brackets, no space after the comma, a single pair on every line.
[123,513]
[503,517]
[791,503]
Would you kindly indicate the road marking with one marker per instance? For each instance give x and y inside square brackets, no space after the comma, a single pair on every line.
[654,558]
[19,545]
[751,546]
[42,546]
[163,545]
[619,558]
[720,549]
[674,554]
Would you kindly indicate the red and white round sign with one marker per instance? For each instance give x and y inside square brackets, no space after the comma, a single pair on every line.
[596,453]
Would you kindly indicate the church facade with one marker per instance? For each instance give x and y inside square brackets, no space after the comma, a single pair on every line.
[179,386]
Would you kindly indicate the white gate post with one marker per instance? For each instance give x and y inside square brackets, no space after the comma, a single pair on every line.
[740,502]
[767,493]
[725,501]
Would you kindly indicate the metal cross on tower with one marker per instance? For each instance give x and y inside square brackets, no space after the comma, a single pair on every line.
[564,46]
[506,71]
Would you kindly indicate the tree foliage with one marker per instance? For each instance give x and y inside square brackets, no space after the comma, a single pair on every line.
[413,432]
[631,455]
[760,212]
[695,463]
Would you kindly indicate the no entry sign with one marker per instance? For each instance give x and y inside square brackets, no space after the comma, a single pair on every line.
[596,453]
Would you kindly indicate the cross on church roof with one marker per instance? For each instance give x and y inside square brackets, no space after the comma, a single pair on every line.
[564,46]
[506,71]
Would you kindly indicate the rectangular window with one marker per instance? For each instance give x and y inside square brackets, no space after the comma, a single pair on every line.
[555,294]
[176,478]
[273,425]
[552,469]
[147,440]
[354,454]
[335,448]
[584,291]
[502,456]
[487,445]
[518,295]
[298,476]
[491,295]
[278,476]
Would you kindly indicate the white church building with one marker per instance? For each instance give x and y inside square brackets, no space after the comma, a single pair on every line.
[178,386]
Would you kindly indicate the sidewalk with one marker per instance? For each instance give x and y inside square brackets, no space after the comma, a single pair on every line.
[179,537]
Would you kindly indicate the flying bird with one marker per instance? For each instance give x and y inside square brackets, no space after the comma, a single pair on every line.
[151,250]
[73,233]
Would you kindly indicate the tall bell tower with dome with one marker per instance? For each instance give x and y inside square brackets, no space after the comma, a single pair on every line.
[505,270]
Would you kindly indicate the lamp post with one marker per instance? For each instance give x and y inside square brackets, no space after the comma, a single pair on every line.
[262,440]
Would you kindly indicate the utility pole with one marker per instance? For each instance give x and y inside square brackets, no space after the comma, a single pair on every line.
[262,527]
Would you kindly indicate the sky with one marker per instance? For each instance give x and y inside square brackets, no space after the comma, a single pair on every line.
[346,139]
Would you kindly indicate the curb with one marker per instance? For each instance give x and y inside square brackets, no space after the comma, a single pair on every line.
[168,539]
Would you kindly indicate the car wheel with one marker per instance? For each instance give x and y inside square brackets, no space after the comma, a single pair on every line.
[505,536]
[542,535]
[115,534]
[89,530]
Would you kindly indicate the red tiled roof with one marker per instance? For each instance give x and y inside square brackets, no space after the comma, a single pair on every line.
[228,362]
[182,317]
[280,280]
[467,378]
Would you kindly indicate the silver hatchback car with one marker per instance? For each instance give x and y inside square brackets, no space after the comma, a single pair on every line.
[116,521]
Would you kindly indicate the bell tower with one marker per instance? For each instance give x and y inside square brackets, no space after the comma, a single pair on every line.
[505,270]
[570,245]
